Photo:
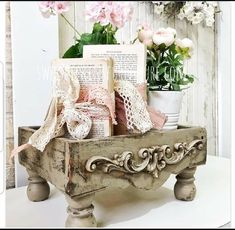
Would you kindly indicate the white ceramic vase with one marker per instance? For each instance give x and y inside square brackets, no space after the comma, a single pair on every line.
[168,102]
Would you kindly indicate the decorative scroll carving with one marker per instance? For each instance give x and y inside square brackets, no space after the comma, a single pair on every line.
[151,160]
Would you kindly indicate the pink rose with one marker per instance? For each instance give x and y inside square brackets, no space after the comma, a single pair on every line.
[186,46]
[171,30]
[61,6]
[148,42]
[145,35]
[144,32]
[163,36]
[184,43]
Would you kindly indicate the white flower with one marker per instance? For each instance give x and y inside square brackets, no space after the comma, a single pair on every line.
[171,30]
[190,16]
[163,36]
[193,11]
[209,11]
[158,9]
[188,8]
[210,21]
[198,17]
[198,6]
[184,43]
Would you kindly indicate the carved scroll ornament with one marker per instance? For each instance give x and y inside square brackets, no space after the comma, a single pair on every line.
[151,160]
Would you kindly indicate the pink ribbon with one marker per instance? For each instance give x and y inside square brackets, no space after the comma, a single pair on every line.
[101,96]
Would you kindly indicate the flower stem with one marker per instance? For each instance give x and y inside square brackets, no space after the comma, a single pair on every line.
[134,40]
[70,24]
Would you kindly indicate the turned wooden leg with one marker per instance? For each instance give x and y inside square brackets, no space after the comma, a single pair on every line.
[80,211]
[185,188]
[38,188]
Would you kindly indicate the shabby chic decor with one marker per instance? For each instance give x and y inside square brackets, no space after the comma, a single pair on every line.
[81,168]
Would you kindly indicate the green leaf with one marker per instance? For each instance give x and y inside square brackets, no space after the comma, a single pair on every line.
[98,28]
[190,78]
[176,87]
[97,38]
[72,52]
[86,38]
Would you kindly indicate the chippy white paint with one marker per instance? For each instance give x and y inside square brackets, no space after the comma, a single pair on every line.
[34,45]
[200,100]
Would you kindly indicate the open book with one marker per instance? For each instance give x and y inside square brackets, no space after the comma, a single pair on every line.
[92,72]
[129,64]
[129,60]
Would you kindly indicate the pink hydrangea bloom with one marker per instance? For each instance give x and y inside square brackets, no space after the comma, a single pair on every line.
[49,8]
[46,5]
[120,14]
[98,11]
[61,6]
[46,8]
[105,12]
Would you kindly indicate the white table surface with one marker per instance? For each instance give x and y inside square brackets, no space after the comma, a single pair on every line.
[134,208]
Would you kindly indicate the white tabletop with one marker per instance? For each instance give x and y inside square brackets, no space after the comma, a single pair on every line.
[134,208]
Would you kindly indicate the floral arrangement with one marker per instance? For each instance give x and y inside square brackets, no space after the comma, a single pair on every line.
[108,17]
[165,52]
[194,11]
[165,58]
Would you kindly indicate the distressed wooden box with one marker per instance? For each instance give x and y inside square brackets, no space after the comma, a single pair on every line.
[81,168]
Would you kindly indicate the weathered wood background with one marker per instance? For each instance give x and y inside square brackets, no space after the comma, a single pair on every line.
[200,101]
[10,168]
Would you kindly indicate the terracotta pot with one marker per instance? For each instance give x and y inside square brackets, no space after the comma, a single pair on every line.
[168,102]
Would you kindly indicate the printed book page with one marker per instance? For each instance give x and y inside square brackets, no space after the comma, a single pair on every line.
[100,128]
[129,60]
[89,71]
